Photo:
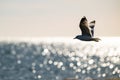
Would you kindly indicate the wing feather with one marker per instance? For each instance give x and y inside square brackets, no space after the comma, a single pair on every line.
[84,27]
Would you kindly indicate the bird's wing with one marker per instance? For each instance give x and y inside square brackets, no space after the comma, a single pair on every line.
[92,24]
[84,27]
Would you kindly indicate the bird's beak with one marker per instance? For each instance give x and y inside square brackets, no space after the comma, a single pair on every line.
[74,38]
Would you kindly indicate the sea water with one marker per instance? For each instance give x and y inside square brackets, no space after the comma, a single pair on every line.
[59,58]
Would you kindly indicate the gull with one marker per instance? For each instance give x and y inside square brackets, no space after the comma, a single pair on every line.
[87,31]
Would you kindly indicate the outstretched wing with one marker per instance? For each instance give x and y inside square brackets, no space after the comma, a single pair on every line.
[92,25]
[84,27]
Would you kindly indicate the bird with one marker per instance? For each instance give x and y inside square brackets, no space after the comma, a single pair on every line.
[87,34]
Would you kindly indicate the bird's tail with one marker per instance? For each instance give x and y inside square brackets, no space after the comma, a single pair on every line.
[96,39]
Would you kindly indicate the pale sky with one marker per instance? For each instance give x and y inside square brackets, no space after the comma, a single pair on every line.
[51,18]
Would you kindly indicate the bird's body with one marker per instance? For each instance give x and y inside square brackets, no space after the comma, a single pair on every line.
[86,38]
[87,34]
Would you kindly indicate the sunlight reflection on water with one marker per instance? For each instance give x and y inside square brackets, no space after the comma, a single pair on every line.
[58,60]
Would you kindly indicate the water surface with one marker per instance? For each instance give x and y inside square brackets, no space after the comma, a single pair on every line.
[58,58]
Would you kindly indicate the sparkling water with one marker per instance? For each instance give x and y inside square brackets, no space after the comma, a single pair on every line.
[59,58]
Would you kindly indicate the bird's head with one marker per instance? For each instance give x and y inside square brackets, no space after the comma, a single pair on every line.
[77,37]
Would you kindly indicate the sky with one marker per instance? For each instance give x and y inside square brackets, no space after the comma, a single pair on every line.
[57,18]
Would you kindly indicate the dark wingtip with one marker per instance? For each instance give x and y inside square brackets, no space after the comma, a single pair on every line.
[84,17]
[93,21]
